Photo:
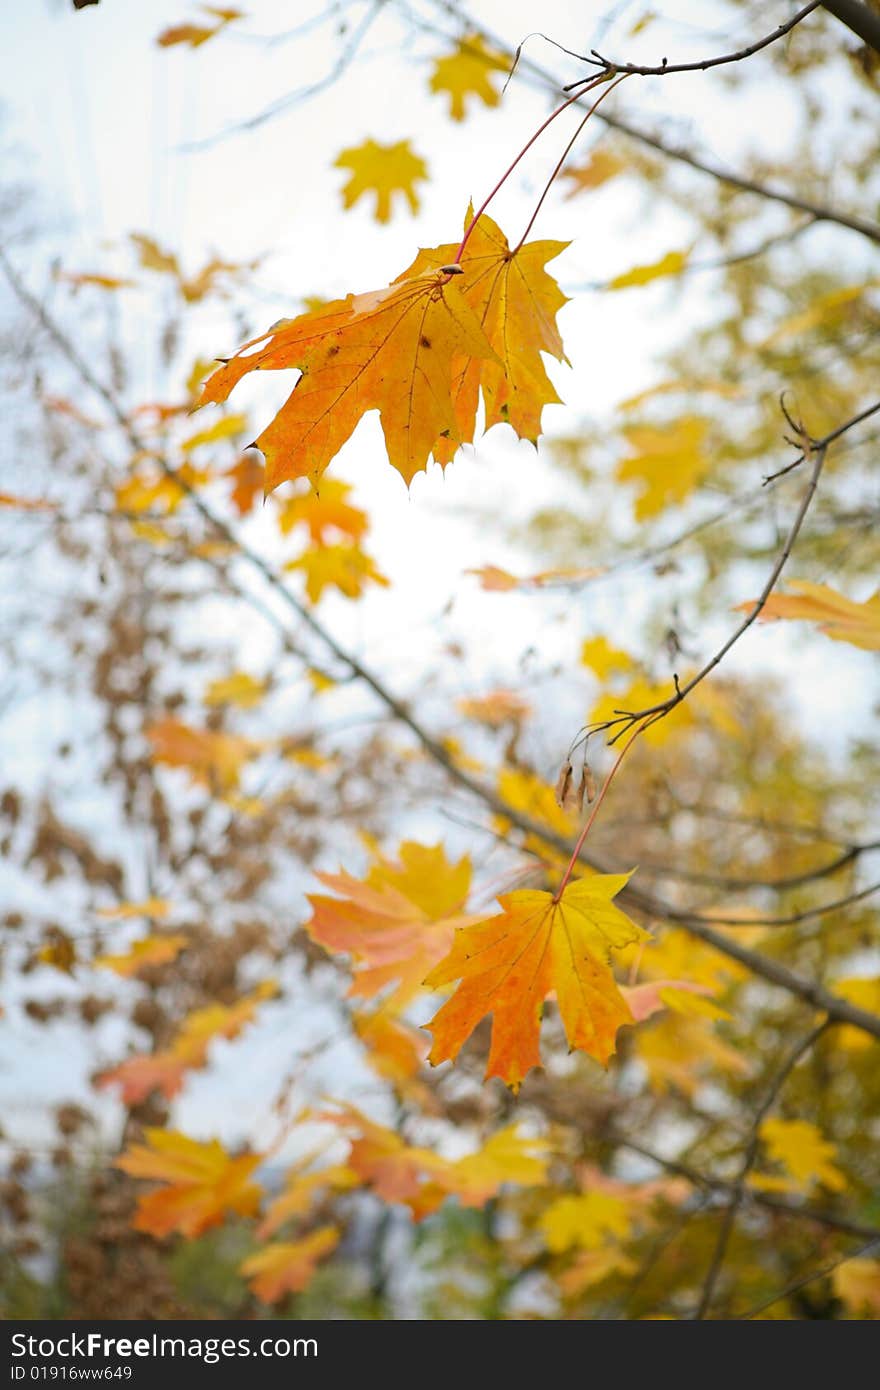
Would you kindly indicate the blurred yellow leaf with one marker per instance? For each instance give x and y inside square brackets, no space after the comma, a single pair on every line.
[670,264]
[239,689]
[667,463]
[383,170]
[468,72]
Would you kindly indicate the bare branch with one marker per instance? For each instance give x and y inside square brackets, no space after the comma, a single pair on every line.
[859,18]
[664,69]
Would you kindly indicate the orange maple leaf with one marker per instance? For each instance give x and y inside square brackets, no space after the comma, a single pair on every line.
[165,1071]
[287,1266]
[837,616]
[212,758]
[389,350]
[422,1180]
[398,922]
[509,964]
[247,475]
[202,1183]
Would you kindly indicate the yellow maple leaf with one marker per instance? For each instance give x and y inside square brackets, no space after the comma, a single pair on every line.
[148,907]
[239,689]
[667,462]
[800,1148]
[323,510]
[202,1183]
[152,950]
[840,618]
[347,568]
[396,923]
[507,965]
[226,428]
[673,263]
[857,1284]
[382,170]
[468,72]
[287,1266]
[587,1220]
[865,994]
[603,658]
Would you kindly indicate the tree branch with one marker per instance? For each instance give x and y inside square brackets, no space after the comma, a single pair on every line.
[651,907]
[859,18]
[678,153]
[664,69]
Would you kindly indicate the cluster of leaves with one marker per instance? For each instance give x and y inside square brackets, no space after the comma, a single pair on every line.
[619,1041]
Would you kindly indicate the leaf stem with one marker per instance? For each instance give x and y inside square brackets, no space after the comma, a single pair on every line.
[595,82]
[564,156]
[595,811]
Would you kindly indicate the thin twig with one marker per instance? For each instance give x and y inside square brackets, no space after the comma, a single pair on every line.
[806,1279]
[664,69]
[751,1154]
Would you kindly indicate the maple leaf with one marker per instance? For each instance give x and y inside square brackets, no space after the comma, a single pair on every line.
[148,907]
[592,1266]
[152,256]
[202,1182]
[383,170]
[389,350]
[801,1149]
[239,689]
[601,166]
[507,965]
[213,759]
[673,263]
[857,1283]
[287,1266]
[226,428]
[496,709]
[248,475]
[153,950]
[394,1050]
[166,1070]
[516,302]
[586,1220]
[300,1190]
[327,510]
[838,617]
[467,72]
[667,464]
[398,922]
[494,579]
[100,282]
[422,1180]
[345,567]
[603,657]
[508,1156]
